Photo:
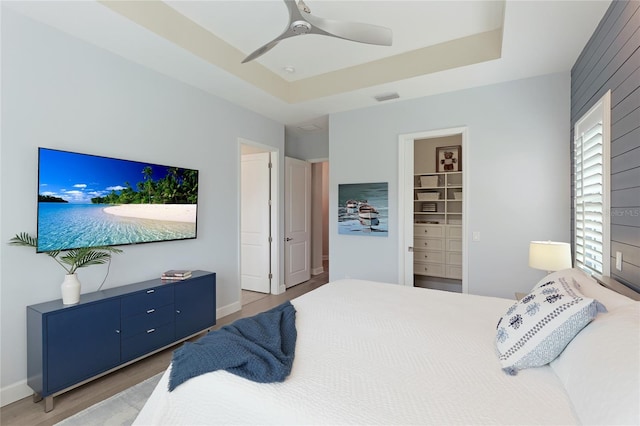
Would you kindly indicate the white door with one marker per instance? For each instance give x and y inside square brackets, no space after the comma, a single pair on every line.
[255,222]
[297,221]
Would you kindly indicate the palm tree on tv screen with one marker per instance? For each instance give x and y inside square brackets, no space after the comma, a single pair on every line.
[148,182]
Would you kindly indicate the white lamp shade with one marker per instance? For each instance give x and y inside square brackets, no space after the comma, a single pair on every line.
[549,255]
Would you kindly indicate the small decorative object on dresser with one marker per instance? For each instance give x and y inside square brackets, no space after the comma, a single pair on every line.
[70,260]
[176,274]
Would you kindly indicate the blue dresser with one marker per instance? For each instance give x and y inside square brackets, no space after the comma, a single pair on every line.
[68,345]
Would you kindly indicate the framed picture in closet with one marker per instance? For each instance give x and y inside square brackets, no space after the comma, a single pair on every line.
[448,159]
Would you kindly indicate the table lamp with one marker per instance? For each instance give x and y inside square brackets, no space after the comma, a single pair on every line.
[549,255]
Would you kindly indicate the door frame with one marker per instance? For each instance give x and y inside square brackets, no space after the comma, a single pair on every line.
[405,200]
[276,288]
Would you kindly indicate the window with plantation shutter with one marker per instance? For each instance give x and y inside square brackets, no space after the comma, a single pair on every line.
[591,199]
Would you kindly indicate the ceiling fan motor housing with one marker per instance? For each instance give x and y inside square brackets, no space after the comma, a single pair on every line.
[300,27]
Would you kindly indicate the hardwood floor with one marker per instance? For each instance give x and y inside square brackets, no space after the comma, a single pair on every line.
[26,412]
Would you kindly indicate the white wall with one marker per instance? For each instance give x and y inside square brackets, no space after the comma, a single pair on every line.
[62,93]
[518,170]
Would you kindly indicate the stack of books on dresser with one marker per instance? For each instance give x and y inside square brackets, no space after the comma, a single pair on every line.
[176,274]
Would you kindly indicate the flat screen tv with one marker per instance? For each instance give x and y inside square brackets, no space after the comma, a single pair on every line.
[88,201]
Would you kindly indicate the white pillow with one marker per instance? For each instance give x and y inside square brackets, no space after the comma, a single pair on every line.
[589,287]
[600,368]
[535,330]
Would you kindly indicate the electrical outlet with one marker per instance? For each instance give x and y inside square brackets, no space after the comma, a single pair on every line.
[619,260]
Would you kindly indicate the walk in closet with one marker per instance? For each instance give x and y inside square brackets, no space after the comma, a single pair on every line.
[437,213]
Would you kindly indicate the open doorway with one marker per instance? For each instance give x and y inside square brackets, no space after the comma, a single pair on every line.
[319,217]
[444,212]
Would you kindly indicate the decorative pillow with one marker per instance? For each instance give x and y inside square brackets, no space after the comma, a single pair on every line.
[535,330]
[600,368]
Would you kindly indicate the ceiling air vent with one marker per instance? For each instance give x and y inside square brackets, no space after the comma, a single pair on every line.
[386,97]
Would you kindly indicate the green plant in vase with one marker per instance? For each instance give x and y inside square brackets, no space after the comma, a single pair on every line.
[70,261]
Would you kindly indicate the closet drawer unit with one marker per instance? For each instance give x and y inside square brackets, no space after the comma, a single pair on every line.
[454,272]
[454,232]
[147,341]
[428,231]
[433,269]
[152,318]
[143,301]
[428,256]
[454,244]
[428,243]
[454,258]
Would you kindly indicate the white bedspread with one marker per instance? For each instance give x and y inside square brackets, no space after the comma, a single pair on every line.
[373,353]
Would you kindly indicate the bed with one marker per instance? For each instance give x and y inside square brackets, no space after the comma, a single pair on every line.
[376,353]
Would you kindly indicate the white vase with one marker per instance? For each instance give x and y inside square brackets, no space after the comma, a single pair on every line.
[70,289]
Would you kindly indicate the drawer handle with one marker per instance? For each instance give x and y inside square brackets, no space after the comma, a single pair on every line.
[151,291]
[150,311]
[151,330]
[426,232]
[426,244]
[177,311]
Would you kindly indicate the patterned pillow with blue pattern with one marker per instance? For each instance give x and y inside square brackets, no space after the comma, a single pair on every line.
[535,330]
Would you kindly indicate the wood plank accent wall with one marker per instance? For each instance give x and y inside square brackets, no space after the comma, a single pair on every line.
[611,61]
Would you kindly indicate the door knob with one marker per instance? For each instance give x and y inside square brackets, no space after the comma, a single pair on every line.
[288,239]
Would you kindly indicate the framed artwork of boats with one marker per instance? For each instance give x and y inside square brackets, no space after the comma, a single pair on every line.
[363,209]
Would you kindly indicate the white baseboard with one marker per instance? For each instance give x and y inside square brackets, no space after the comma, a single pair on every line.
[317,271]
[228,310]
[14,392]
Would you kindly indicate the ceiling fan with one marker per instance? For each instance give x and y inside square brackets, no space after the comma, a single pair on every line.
[302,22]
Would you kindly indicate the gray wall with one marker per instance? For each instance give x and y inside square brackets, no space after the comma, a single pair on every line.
[611,61]
[519,178]
[313,145]
[60,92]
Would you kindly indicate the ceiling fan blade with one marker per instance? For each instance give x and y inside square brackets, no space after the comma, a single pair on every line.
[302,22]
[354,31]
[261,51]
[294,11]
[294,15]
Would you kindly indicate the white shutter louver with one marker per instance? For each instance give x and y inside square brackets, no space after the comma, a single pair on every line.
[591,157]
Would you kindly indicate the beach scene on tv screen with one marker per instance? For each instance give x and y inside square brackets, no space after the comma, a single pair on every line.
[88,201]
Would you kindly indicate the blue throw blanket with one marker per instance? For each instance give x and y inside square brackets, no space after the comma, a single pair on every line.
[259,348]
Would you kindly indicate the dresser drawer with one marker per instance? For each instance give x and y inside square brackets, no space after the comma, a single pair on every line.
[454,271]
[141,302]
[428,231]
[148,341]
[428,256]
[434,269]
[454,232]
[428,243]
[454,258]
[454,245]
[152,318]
